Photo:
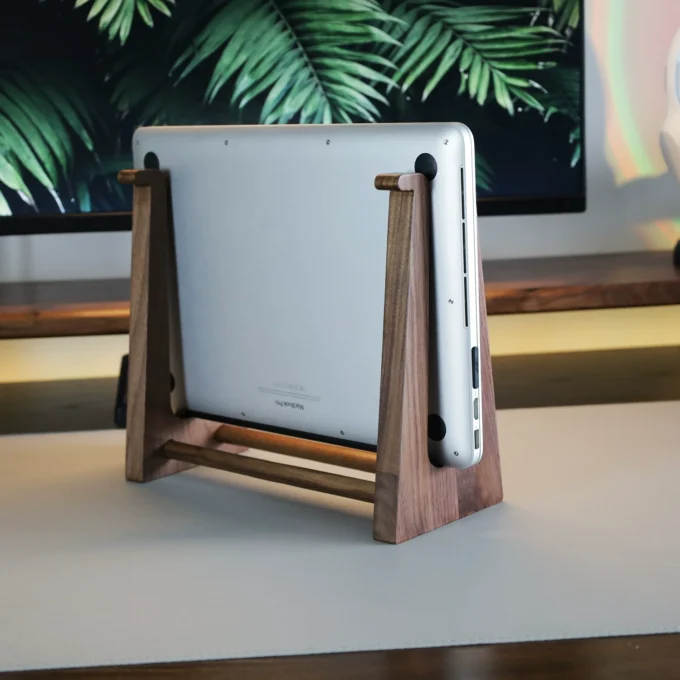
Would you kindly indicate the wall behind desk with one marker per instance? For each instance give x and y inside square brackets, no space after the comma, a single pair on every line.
[633,202]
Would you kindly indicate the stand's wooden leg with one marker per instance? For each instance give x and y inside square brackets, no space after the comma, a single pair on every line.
[402,430]
[150,420]
[412,496]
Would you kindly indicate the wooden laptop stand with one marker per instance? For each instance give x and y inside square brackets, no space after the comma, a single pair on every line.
[410,495]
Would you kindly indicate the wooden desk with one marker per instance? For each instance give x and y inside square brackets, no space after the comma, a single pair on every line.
[650,657]
[70,308]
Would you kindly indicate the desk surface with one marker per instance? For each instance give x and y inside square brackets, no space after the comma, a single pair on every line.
[207,565]
[642,279]
[648,657]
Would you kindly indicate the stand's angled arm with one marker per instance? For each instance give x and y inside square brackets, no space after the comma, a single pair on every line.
[412,496]
[402,428]
[153,317]
[149,363]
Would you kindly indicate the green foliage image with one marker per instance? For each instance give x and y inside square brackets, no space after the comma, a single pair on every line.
[66,122]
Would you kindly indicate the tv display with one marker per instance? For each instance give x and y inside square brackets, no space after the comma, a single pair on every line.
[77,77]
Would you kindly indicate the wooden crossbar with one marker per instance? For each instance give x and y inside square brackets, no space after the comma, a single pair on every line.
[338,485]
[308,449]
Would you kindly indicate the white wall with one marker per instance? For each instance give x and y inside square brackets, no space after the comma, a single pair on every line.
[65,256]
[627,209]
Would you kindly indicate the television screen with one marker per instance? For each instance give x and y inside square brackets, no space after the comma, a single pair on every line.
[78,76]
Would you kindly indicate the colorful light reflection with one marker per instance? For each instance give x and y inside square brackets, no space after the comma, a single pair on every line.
[632,40]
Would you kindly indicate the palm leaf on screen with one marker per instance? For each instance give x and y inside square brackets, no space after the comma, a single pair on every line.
[142,86]
[143,89]
[115,17]
[311,61]
[565,14]
[483,172]
[489,52]
[562,96]
[40,122]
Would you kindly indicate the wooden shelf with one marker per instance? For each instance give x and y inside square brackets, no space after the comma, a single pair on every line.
[64,308]
[558,284]
[102,307]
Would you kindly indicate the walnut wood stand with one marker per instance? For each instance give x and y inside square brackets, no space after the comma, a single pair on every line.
[410,495]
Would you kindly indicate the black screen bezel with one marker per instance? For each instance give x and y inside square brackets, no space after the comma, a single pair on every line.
[88,223]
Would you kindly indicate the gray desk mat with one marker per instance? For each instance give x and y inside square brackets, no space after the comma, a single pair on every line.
[205,565]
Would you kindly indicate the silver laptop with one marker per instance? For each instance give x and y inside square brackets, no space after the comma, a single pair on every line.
[280,241]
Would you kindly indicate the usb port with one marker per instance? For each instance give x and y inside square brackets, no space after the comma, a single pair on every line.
[475,368]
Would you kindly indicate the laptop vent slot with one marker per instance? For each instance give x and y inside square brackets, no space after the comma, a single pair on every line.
[465,293]
[462,209]
[464,227]
[462,193]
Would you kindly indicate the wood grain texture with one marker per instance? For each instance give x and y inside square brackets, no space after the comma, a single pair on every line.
[643,657]
[150,421]
[412,496]
[400,510]
[481,486]
[71,308]
[581,282]
[293,446]
[315,480]
[388,181]
[41,309]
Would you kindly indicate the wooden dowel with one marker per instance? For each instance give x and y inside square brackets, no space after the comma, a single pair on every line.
[300,448]
[349,487]
[127,176]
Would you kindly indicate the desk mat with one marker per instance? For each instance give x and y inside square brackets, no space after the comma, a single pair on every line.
[207,565]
